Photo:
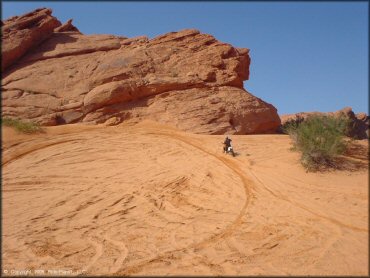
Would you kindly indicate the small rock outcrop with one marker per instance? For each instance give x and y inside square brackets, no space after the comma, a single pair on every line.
[358,127]
[67,27]
[186,79]
[22,33]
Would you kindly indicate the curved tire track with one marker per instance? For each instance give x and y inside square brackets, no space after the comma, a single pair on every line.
[25,151]
[22,151]
[225,233]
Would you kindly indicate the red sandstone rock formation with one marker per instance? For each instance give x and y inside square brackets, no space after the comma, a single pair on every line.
[186,79]
[21,33]
[67,27]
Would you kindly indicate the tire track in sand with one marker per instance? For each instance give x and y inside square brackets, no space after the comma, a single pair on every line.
[98,253]
[8,158]
[168,254]
[123,253]
[214,238]
[235,168]
[284,198]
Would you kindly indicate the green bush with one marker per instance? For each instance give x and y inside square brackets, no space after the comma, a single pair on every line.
[21,126]
[320,139]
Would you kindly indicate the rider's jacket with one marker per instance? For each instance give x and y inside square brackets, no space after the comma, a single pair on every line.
[227,142]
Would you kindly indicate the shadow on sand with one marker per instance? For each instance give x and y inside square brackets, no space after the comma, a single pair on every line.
[354,159]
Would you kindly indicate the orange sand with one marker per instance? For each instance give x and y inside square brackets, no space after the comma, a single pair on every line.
[147,199]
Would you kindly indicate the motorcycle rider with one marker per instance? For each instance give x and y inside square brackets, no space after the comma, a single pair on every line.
[227,143]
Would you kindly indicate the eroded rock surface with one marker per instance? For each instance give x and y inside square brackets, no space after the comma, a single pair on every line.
[186,78]
[22,33]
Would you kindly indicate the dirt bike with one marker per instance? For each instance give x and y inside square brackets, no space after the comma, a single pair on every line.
[229,149]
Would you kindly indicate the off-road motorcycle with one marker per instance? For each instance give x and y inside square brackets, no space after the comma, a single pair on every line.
[230,150]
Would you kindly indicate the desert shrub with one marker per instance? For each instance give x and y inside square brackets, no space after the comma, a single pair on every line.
[320,139]
[21,126]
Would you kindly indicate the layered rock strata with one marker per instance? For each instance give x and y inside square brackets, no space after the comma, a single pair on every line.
[186,79]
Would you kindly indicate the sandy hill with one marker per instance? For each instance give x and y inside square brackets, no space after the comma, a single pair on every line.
[148,199]
[128,180]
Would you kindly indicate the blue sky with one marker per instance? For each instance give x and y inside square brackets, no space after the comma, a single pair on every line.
[306,56]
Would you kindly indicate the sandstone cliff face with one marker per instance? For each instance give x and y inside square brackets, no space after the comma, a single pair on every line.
[186,79]
[359,123]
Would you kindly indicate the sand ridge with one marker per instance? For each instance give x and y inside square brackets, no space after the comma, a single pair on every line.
[148,199]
